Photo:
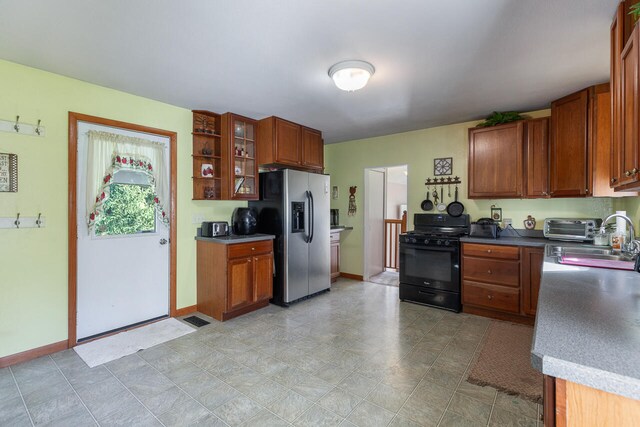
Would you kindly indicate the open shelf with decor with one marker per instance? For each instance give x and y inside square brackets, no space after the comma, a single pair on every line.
[207,156]
[239,153]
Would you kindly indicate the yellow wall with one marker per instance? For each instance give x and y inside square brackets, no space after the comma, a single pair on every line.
[346,162]
[33,262]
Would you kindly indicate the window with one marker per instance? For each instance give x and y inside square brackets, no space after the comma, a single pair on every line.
[130,208]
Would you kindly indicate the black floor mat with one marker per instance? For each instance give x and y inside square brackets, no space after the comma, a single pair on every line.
[196,321]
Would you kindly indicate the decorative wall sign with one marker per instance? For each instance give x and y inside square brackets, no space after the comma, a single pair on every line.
[8,173]
[352,201]
[496,213]
[443,166]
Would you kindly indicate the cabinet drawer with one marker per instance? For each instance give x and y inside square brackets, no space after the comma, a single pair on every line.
[491,251]
[240,250]
[491,296]
[492,270]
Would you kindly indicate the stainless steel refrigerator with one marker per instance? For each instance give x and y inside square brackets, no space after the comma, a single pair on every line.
[294,206]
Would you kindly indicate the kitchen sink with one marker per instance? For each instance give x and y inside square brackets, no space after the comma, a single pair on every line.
[601,257]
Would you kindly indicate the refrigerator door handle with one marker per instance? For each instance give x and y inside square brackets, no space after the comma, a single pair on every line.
[312,214]
[307,237]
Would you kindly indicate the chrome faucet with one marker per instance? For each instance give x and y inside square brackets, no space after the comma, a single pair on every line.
[633,245]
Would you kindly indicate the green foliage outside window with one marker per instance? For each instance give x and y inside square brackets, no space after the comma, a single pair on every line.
[128,210]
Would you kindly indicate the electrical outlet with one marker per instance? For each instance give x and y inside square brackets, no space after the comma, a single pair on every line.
[507,222]
[197,218]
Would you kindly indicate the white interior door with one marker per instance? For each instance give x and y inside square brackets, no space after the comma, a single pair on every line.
[374,222]
[122,278]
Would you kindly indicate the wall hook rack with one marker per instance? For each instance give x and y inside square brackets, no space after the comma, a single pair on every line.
[443,181]
[21,128]
[20,222]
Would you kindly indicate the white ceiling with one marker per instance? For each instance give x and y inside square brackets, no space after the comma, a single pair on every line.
[437,62]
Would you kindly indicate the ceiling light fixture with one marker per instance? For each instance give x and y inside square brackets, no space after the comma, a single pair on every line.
[351,75]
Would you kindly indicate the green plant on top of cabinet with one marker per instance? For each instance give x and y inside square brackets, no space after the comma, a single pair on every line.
[206,155]
[239,151]
[284,143]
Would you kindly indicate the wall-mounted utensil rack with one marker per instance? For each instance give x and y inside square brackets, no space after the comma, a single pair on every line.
[442,181]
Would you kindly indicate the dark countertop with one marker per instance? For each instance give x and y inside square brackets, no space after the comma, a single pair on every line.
[231,239]
[588,327]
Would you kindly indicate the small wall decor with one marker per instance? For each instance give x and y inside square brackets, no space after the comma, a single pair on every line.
[529,223]
[443,166]
[352,201]
[206,170]
[496,213]
[8,173]
[21,128]
[334,192]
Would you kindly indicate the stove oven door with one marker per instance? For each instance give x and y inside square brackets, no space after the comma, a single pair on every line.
[430,267]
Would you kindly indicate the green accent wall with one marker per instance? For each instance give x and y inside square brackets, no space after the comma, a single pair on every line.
[347,161]
[33,262]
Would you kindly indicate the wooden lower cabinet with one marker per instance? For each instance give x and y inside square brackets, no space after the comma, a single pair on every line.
[335,256]
[233,279]
[568,404]
[501,281]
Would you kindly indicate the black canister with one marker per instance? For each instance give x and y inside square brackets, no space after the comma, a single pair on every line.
[244,221]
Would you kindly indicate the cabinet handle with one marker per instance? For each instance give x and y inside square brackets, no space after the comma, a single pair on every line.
[627,173]
[613,180]
[544,193]
[490,296]
[250,259]
[253,249]
[488,271]
[634,171]
[488,251]
[552,192]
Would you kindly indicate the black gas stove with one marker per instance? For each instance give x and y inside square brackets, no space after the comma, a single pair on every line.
[430,260]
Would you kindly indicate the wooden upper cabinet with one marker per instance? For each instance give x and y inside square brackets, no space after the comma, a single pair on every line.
[627,151]
[285,143]
[239,151]
[312,148]
[537,158]
[496,161]
[617,43]
[569,146]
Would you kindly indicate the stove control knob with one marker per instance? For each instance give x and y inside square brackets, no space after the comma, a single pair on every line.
[412,240]
[426,241]
[447,243]
[439,242]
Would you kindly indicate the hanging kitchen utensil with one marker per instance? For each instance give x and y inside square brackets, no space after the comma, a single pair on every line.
[449,188]
[441,206]
[427,205]
[455,208]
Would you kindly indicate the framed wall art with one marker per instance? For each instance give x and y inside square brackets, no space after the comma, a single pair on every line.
[8,173]
[443,166]
[496,213]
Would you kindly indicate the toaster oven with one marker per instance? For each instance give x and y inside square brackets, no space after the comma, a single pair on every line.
[571,229]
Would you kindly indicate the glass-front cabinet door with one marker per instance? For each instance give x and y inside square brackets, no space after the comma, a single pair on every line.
[243,166]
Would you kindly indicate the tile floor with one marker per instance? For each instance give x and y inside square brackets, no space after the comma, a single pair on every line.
[353,357]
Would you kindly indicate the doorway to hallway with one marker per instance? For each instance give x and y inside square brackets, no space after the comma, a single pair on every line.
[384,218]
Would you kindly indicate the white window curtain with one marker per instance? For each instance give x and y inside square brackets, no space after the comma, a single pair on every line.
[108,153]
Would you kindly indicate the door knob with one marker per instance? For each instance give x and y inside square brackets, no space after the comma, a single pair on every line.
[163,241]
